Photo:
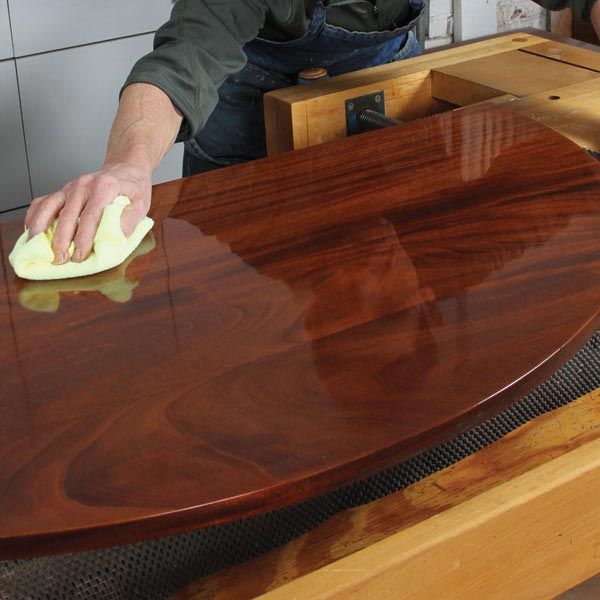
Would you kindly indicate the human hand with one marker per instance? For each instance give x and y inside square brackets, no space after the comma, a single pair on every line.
[80,203]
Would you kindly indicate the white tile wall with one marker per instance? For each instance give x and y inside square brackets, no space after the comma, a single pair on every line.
[69,99]
[510,14]
[474,18]
[6,49]
[441,23]
[69,86]
[43,25]
[14,182]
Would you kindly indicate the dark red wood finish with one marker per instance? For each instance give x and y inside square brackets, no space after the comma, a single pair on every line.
[302,322]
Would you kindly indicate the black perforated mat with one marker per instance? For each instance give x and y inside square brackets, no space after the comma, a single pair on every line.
[156,569]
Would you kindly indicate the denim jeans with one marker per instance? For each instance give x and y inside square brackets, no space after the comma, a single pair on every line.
[235,131]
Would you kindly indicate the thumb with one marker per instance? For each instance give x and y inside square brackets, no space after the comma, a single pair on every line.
[131,216]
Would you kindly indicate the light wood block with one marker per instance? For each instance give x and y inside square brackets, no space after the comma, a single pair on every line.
[406,85]
[532,537]
[573,111]
[506,66]
[518,73]
[571,55]
[460,91]
[521,452]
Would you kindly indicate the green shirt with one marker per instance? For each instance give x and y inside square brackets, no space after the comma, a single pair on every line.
[202,42]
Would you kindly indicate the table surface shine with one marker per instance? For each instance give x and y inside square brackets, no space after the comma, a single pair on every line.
[294,324]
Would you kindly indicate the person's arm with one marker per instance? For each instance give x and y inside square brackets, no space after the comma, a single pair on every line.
[595,18]
[143,131]
[167,97]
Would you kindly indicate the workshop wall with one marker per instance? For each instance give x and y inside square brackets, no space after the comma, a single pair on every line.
[63,62]
[510,14]
[515,14]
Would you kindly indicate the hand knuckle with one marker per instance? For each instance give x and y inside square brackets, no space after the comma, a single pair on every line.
[84,179]
[106,181]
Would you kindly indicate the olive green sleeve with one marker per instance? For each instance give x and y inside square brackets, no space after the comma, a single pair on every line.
[581,8]
[196,50]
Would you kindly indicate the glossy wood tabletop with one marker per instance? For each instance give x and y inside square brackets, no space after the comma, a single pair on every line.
[294,324]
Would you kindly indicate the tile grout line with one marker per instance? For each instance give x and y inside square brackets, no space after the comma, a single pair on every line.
[12,41]
[84,45]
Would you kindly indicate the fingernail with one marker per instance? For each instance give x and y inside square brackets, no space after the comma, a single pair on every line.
[78,256]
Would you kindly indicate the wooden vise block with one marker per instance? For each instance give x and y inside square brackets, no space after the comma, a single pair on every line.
[552,82]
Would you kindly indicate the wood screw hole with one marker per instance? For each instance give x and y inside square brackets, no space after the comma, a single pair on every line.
[553,97]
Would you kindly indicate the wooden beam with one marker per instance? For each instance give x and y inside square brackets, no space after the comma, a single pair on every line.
[573,111]
[571,55]
[309,114]
[533,537]
[532,445]
[518,73]
[459,91]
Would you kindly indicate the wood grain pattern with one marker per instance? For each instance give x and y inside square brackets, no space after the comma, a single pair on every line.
[521,451]
[567,54]
[508,542]
[572,110]
[301,116]
[294,327]
[520,73]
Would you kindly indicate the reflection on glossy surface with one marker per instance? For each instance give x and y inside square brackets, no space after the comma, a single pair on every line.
[115,284]
[487,133]
[302,321]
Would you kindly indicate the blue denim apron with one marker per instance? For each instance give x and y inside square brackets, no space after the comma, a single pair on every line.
[235,131]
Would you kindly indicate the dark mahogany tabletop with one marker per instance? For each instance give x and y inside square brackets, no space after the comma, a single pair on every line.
[294,324]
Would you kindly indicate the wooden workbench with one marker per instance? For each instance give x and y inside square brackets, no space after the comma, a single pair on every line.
[270,406]
[520,518]
[549,80]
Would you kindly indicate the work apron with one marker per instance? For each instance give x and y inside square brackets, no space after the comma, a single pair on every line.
[235,130]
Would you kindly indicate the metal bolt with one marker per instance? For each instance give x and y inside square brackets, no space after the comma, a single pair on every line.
[378,98]
[350,105]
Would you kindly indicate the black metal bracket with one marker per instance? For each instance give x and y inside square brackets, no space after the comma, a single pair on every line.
[356,106]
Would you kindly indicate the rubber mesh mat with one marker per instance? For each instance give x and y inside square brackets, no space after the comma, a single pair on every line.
[156,569]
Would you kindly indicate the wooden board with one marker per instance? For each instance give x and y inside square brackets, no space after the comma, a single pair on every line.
[520,452]
[571,110]
[510,541]
[567,55]
[306,115]
[520,65]
[293,328]
[519,73]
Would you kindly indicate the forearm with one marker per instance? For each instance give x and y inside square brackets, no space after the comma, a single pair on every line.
[145,127]
[595,18]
